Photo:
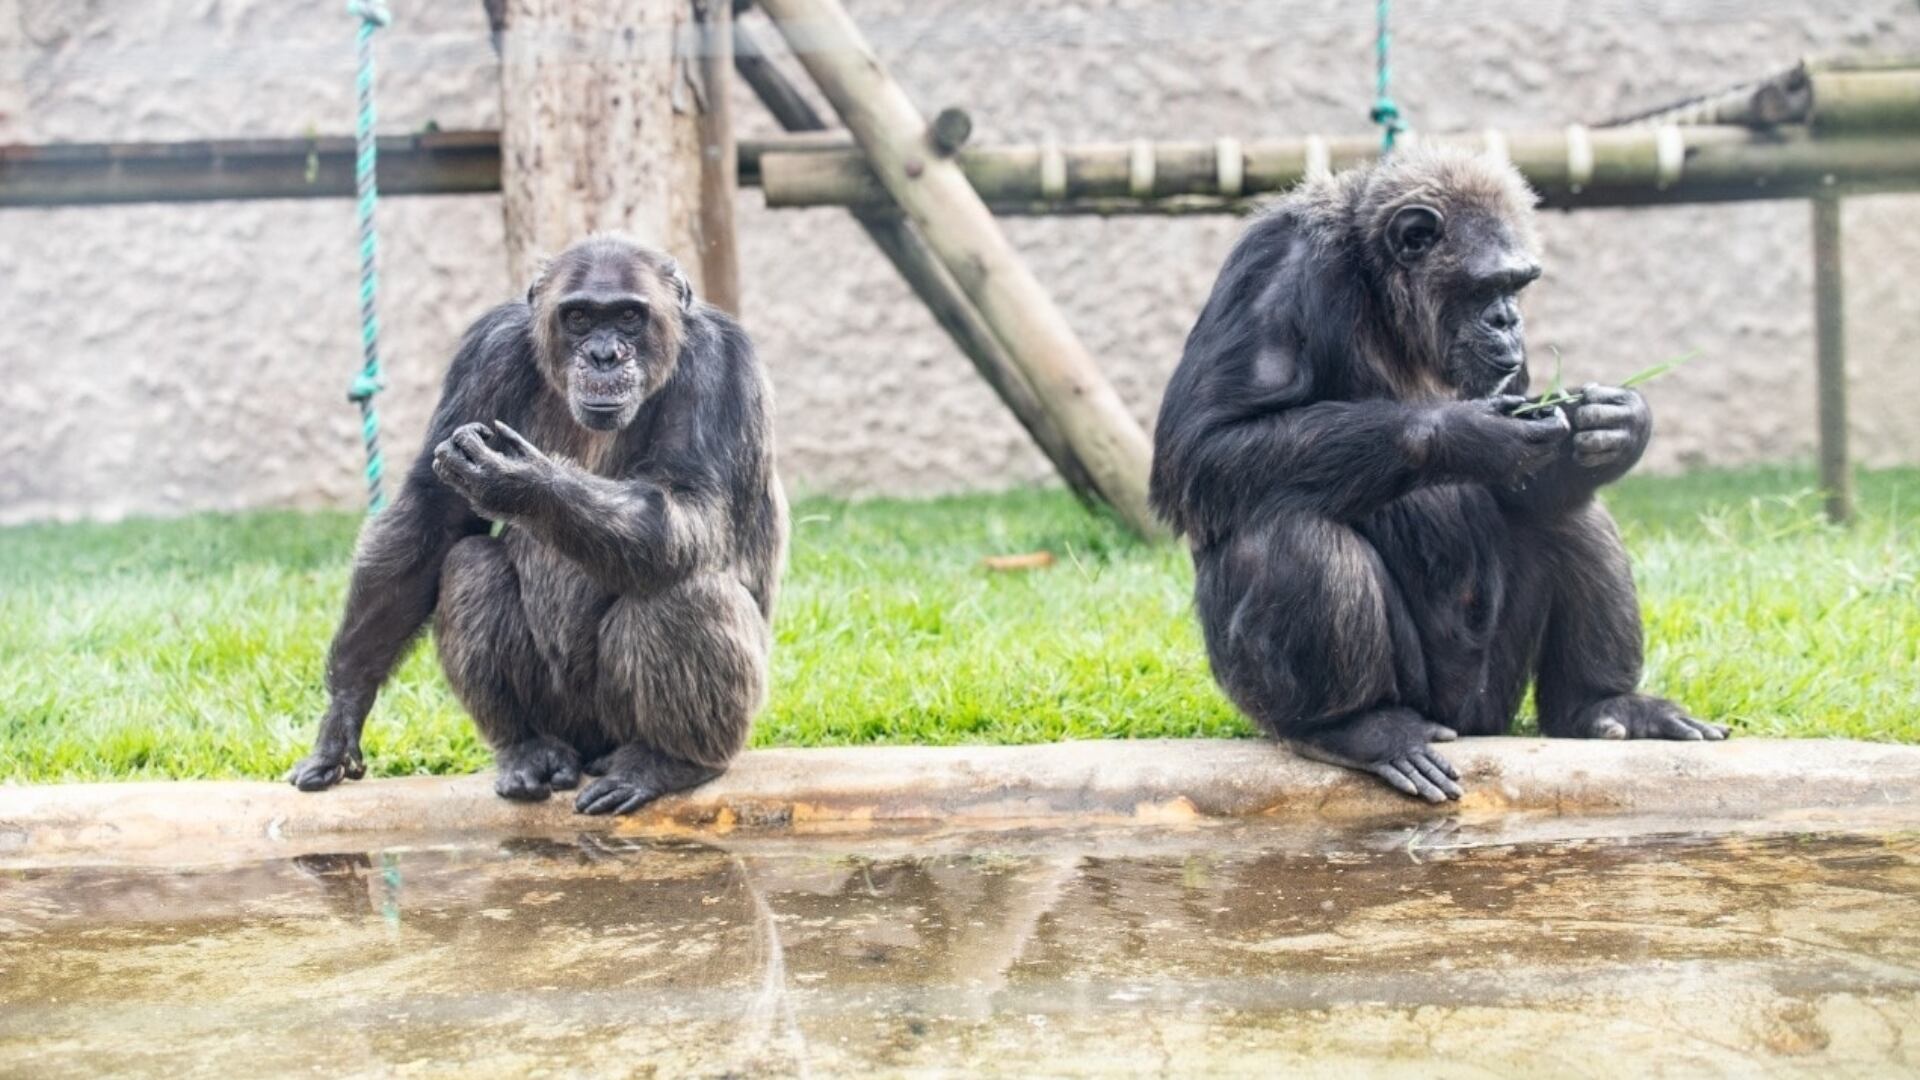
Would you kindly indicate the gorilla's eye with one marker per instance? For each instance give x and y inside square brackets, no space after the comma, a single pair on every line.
[577,321]
[1414,231]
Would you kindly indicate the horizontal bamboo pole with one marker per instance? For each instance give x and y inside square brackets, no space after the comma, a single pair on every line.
[1865,101]
[321,167]
[1570,167]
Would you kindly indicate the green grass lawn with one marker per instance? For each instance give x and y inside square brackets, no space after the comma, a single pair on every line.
[193,648]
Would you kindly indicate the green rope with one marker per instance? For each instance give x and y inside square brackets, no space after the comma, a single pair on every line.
[372,15]
[1385,112]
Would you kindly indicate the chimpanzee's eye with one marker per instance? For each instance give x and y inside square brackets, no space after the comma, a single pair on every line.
[630,316]
[577,321]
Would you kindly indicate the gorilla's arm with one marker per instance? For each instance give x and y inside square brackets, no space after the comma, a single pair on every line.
[396,570]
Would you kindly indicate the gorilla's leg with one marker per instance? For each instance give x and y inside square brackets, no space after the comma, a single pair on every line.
[1309,636]
[1590,653]
[681,673]
[480,628]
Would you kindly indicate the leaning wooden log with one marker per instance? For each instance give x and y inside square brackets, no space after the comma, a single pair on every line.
[936,195]
[1570,167]
[922,272]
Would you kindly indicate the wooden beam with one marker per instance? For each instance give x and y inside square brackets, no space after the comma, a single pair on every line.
[922,272]
[719,161]
[961,232]
[1830,322]
[1572,168]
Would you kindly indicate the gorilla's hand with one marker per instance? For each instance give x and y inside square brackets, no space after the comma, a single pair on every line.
[1499,447]
[498,472]
[1611,426]
[328,765]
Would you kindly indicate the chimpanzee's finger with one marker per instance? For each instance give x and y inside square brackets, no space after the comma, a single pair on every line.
[514,441]
[1602,416]
[1606,395]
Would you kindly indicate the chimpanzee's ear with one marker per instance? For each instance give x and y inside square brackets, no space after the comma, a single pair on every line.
[680,284]
[539,279]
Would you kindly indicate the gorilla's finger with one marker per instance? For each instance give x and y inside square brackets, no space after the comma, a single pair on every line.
[1437,771]
[1391,774]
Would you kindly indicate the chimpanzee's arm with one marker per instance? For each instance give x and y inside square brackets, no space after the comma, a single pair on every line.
[1345,459]
[629,533]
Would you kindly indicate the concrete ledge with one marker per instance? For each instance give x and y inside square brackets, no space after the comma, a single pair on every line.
[1145,781]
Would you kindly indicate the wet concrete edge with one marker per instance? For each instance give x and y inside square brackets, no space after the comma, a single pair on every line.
[1140,781]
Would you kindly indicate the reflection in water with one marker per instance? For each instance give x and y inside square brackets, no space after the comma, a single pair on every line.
[1051,952]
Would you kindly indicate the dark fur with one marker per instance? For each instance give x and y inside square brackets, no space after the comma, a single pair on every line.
[619,623]
[1384,556]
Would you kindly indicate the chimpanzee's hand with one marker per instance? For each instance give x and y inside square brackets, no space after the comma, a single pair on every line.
[494,468]
[1611,426]
[327,766]
[1496,446]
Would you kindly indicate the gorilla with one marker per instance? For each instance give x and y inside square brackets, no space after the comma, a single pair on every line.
[1388,548]
[595,530]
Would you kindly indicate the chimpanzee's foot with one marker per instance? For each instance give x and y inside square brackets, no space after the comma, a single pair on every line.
[1636,716]
[535,768]
[1393,744]
[329,764]
[635,775]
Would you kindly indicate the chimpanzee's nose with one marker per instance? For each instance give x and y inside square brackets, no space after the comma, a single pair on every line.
[602,353]
[1503,315]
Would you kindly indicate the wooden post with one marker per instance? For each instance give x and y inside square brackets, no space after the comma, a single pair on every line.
[961,231]
[1830,319]
[719,160]
[600,128]
[924,274]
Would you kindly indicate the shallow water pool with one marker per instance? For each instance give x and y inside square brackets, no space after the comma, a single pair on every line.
[1432,950]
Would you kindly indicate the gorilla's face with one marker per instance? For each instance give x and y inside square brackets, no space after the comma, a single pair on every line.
[1466,275]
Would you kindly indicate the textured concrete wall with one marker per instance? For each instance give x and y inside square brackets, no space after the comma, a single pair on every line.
[156,359]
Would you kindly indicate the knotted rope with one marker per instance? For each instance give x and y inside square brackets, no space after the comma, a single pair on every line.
[372,15]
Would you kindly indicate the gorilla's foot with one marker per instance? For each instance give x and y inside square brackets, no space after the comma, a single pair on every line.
[634,776]
[1394,744]
[536,768]
[1637,716]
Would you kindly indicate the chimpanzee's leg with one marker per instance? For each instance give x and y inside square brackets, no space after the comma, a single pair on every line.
[480,628]
[1308,634]
[1591,651]
[680,674]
